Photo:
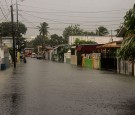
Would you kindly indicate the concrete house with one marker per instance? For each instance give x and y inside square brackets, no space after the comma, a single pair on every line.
[4,56]
[97,39]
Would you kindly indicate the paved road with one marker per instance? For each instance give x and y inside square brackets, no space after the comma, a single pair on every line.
[42,87]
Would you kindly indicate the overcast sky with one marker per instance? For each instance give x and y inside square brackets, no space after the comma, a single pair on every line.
[89,14]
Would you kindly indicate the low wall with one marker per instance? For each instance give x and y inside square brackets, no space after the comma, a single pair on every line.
[124,67]
[68,60]
[87,63]
[73,59]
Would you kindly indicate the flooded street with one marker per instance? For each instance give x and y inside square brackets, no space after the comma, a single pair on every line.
[42,87]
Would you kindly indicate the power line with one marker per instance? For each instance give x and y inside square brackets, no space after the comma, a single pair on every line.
[107,25]
[63,11]
[28,21]
[6,16]
[72,12]
[90,29]
[68,15]
[7,5]
[3,9]
[63,21]
[3,13]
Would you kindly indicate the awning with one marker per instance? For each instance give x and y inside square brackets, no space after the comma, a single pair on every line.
[87,48]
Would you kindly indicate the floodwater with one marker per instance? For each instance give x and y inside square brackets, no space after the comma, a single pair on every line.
[42,87]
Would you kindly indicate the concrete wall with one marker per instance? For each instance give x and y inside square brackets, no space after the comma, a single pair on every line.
[87,63]
[48,54]
[73,59]
[4,56]
[66,56]
[8,41]
[96,60]
[124,67]
[68,60]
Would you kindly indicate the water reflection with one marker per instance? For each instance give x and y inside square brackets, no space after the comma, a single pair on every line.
[11,96]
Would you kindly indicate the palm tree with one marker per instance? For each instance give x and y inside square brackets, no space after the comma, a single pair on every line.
[127,51]
[43,29]
[101,31]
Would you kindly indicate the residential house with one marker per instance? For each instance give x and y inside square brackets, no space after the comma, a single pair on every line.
[109,55]
[124,66]
[97,39]
[8,41]
[4,56]
[85,54]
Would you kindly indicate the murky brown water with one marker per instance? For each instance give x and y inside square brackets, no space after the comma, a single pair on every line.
[42,87]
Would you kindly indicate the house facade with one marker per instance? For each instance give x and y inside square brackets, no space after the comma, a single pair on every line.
[97,39]
[8,41]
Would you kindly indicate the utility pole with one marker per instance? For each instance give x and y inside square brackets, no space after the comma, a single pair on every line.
[111,36]
[13,36]
[17,31]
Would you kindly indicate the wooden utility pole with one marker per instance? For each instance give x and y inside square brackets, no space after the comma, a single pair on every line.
[17,31]
[13,36]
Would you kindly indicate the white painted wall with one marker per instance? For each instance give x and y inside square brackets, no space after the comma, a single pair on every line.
[67,55]
[1,53]
[125,67]
[98,39]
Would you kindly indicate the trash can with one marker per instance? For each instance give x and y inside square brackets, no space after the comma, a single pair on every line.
[3,66]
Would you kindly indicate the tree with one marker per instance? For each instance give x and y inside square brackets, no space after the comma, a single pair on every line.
[101,31]
[61,50]
[127,50]
[72,30]
[22,42]
[6,28]
[86,33]
[39,41]
[43,29]
[56,40]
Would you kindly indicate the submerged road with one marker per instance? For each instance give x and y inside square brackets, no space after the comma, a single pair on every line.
[42,87]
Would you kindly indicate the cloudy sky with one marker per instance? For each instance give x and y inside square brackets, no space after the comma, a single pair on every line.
[89,14]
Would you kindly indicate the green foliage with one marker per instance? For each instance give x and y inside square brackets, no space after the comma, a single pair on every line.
[6,28]
[75,30]
[61,50]
[102,31]
[56,40]
[22,43]
[54,57]
[39,41]
[78,42]
[89,33]
[127,50]
[72,30]
[129,19]
[43,29]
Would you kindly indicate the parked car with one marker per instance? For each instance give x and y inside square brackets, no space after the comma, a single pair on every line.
[33,55]
[39,56]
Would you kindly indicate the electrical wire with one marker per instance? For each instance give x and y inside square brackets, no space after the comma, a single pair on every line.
[63,11]
[7,5]
[3,9]
[82,22]
[69,12]
[28,21]
[6,16]
[3,14]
